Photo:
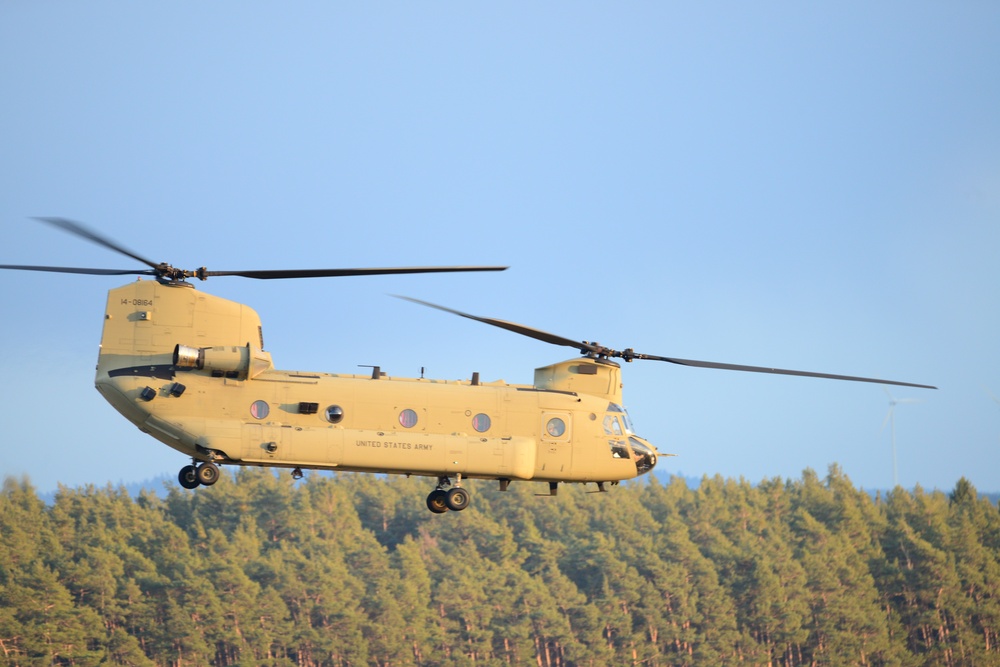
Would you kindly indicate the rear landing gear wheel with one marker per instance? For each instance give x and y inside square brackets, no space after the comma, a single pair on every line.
[437,501]
[457,499]
[208,473]
[188,477]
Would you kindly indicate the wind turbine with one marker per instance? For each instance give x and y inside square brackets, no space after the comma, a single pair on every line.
[890,418]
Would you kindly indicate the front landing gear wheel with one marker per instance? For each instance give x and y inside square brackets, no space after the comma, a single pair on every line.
[208,473]
[457,499]
[437,501]
[188,477]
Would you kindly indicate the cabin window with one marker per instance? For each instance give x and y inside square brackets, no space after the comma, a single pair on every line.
[481,423]
[408,418]
[611,425]
[555,427]
[334,414]
[259,409]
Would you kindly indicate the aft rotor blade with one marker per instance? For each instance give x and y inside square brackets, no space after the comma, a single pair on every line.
[776,371]
[333,273]
[80,230]
[537,334]
[70,269]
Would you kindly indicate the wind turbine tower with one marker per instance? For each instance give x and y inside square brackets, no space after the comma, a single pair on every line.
[890,419]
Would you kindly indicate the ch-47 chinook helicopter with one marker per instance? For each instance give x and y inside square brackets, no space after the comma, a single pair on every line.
[189,369]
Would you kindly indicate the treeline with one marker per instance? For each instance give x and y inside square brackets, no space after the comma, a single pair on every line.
[353,570]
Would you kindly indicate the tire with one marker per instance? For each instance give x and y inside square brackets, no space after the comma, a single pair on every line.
[208,473]
[458,499]
[437,501]
[188,477]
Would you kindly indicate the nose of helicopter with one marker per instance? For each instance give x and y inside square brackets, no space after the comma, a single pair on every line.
[644,454]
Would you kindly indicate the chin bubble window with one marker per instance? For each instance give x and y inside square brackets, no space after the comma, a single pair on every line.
[407,418]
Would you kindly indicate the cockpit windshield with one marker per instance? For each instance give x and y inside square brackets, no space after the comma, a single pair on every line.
[622,414]
[623,441]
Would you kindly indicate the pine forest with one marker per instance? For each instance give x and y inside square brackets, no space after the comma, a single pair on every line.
[353,570]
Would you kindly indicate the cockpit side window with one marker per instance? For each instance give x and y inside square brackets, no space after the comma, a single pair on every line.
[623,414]
[619,450]
[611,425]
[616,434]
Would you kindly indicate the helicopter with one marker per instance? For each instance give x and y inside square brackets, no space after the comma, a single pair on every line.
[190,370]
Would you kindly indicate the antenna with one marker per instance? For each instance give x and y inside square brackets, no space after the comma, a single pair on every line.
[890,418]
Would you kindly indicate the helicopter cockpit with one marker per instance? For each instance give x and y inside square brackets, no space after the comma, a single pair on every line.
[618,428]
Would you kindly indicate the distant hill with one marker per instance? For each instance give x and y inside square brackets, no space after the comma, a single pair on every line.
[158,485]
[694,482]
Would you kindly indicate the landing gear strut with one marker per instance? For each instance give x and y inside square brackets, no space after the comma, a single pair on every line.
[455,499]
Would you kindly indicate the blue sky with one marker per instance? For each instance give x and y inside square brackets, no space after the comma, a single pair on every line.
[801,185]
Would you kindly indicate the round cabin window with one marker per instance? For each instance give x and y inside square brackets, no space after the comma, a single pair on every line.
[259,410]
[481,423]
[408,418]
[334,414]
[555,427]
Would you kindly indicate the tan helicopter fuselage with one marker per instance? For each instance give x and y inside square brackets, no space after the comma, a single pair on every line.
[188,369]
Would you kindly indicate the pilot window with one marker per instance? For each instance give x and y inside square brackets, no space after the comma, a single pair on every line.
[621,412]
[619,450]
[613,428]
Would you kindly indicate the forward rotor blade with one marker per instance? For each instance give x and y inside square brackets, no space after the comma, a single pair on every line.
[92,272]
[333,273]
[629,354]
[80,230]
[537,334]
[777,371]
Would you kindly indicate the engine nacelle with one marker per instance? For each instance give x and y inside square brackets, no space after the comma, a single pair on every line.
[225,359]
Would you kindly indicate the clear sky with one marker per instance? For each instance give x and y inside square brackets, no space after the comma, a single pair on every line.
[802,185]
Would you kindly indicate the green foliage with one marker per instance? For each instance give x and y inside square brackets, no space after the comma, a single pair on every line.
[352,570]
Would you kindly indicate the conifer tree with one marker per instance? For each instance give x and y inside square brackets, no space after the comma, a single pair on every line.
[351,570]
